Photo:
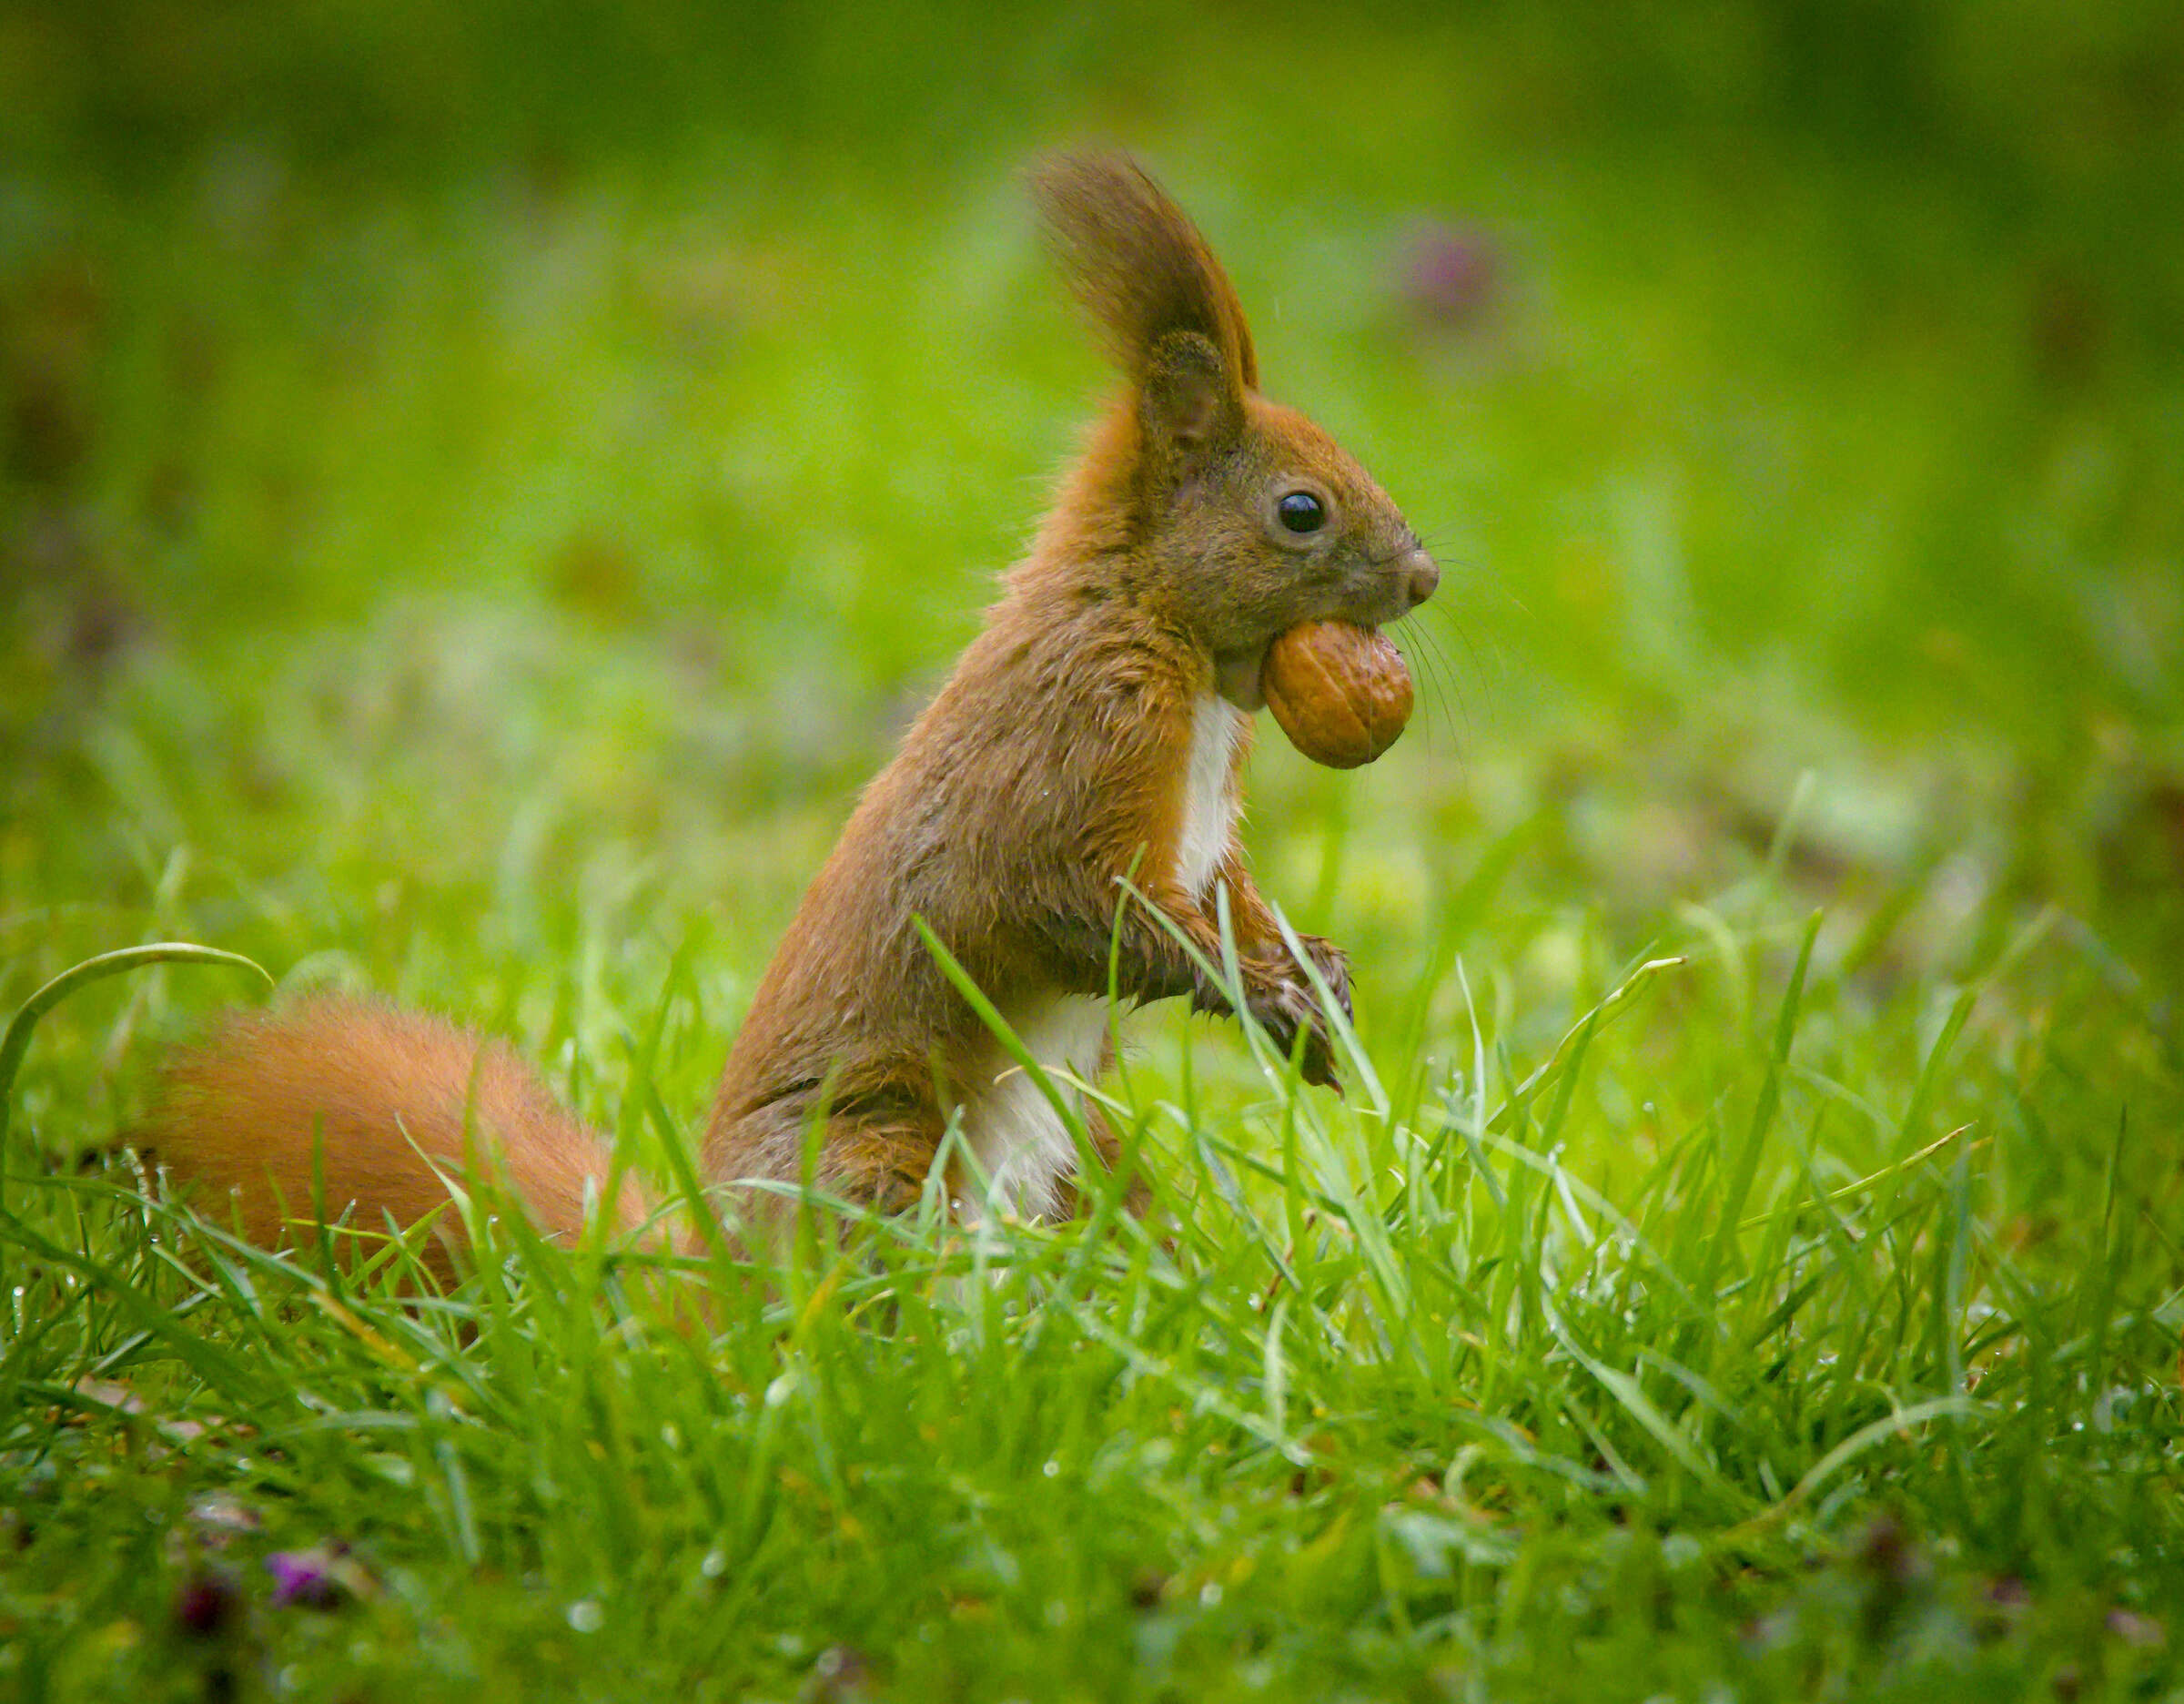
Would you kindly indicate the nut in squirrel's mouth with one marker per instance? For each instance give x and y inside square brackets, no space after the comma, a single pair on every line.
[1240,676]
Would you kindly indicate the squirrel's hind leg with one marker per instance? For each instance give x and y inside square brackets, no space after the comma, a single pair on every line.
[1080,1195]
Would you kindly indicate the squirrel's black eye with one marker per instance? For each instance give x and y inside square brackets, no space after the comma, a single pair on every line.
[1301,511]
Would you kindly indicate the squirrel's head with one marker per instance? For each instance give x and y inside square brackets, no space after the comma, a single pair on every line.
[1239,518]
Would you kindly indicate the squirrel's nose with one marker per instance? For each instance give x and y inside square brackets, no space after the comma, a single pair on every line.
[1421,576]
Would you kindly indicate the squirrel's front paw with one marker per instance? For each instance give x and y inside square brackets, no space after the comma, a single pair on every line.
[1333,966]
[1286,1008]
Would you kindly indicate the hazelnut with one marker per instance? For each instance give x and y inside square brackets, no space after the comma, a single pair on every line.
[1340,691]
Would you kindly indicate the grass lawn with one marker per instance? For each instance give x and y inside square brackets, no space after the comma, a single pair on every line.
[1749,1260]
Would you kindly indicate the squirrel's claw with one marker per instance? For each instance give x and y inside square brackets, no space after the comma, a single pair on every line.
[1289,1011]
[1333,966]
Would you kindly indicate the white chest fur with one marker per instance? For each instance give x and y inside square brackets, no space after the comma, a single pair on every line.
[1208,802]
[1022,1147]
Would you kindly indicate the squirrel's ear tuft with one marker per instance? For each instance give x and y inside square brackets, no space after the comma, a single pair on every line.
[1141,269]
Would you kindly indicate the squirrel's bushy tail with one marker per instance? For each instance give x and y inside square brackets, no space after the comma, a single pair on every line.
[363,1107]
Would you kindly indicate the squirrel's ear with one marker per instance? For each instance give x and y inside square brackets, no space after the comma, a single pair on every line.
[1188,402]
[1140,267]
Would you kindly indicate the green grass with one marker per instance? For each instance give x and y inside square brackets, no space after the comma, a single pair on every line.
[483,568]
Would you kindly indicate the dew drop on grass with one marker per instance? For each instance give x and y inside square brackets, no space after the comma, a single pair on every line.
[586,1615]
[714,1565]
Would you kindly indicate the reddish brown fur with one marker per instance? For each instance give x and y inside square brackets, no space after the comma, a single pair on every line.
[1050,766]
[349,1102]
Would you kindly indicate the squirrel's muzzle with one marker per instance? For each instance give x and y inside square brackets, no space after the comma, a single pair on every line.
[1419,575]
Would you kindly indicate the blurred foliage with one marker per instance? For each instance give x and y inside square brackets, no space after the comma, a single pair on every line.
[1791,387]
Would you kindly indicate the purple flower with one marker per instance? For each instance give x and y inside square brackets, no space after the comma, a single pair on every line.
[1455,276]
[306,1578]
[207,1604]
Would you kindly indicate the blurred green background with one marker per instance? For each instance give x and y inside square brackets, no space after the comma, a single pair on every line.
[471,462]
[482,486]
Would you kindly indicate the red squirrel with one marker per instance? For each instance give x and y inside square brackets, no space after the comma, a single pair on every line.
[1089,742]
